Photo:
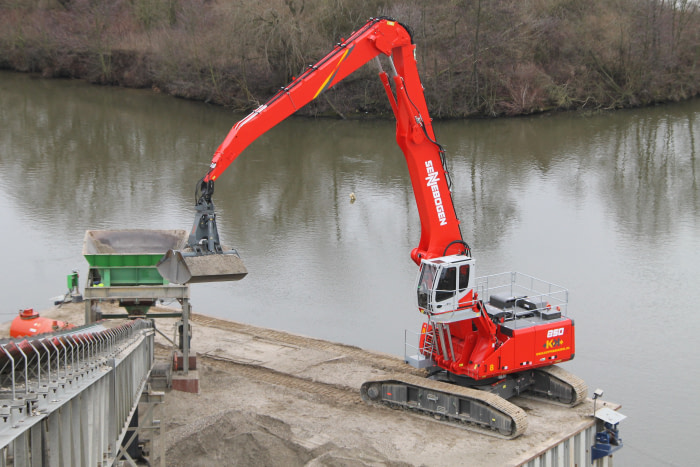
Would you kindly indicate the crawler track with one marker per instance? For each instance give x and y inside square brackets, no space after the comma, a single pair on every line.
[564,388]
[448,403]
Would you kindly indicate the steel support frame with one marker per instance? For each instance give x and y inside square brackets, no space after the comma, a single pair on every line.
[147,431]
[93,295]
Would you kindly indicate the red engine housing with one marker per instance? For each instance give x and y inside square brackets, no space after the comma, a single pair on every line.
[489,346]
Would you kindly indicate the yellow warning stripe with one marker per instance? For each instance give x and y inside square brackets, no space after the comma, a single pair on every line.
[330,76]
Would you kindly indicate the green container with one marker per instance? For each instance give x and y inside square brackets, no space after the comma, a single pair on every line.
[72,280]
[129,257]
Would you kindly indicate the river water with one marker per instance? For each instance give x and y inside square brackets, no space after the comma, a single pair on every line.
[606,205]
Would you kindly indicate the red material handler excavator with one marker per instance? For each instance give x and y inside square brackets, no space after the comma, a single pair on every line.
[485,339]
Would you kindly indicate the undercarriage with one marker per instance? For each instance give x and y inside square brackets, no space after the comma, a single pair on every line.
[476,406]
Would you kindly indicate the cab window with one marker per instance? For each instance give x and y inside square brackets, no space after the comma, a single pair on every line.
[463,277]
[425,285]
[447,284]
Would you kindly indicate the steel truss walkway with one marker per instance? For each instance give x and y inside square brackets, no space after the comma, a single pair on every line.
[67,399]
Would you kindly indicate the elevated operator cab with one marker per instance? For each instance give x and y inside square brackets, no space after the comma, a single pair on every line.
[445,286]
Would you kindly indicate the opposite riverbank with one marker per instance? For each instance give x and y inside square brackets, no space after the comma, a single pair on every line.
[477,59]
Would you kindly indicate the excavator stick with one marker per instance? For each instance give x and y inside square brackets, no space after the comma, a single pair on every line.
[204,259]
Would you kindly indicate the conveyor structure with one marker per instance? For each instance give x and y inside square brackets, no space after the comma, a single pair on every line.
[67,399]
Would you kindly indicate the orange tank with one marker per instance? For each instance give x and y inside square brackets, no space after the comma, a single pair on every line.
[29,323]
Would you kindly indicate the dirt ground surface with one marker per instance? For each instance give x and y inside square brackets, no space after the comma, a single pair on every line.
[269,398]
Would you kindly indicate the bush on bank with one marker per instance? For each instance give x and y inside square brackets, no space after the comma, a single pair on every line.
[477,57]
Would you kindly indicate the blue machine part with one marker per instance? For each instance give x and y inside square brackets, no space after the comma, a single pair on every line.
[607,439]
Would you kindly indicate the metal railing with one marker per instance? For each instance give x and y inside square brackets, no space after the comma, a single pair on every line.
[414,354]
[520,286]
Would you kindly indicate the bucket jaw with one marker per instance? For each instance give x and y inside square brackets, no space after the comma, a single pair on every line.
[187,267]
[204,259]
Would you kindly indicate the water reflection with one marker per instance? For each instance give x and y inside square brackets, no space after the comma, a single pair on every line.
[74,152]
[105,157]
[641,164]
